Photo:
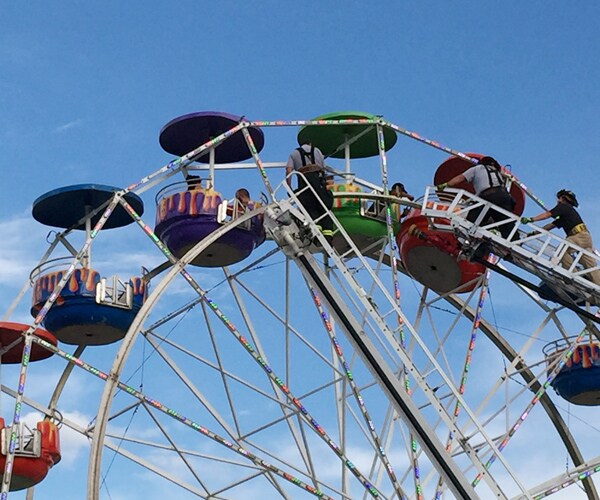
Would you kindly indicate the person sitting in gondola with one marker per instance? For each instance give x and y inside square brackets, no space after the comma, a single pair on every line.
[309,161]
[194,182]
[241,203]
[399,191]
[566,217]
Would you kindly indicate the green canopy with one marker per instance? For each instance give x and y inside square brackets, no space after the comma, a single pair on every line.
[330,138]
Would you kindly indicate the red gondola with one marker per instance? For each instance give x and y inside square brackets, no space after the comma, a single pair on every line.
[432,256]
[36,452]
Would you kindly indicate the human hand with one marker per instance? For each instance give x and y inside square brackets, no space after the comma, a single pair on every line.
[526,220]
[442,186]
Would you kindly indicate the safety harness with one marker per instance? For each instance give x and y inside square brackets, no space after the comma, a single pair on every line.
[492,170]
[318,181]
[304,155]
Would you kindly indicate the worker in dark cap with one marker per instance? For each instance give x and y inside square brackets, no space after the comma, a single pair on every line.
[489,184]
[566,217]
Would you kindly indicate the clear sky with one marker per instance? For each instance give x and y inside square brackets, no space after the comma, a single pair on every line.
[85,88]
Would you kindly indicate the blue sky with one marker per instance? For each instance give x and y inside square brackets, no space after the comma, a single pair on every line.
[85,88]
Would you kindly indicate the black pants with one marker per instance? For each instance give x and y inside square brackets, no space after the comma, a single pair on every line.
[501,198]
[311,202]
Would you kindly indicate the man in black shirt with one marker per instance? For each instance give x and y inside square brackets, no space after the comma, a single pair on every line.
[566,217]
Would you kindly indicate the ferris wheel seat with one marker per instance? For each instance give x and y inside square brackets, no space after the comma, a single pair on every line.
[81,321]
[10,332]
[182,235]
[578,381]
[360,224]
[187,217]
[360,218]
[81,315]
[431,257]
[37,454]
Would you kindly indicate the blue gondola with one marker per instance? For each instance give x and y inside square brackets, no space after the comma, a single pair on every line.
[90,309]
[579,379]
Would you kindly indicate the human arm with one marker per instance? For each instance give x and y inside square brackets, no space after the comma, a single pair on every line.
[455,181]
[289,168]
[542,216]
[538,217]
[293,162]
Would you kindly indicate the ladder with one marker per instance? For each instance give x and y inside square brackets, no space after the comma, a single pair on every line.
[531,248]
[372,334]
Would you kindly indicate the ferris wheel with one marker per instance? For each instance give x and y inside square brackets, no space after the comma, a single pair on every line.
[256,357]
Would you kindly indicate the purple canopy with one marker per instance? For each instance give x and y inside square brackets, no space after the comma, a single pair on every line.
[185,133]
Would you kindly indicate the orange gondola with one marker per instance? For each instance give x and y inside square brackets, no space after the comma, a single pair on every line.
[36,452]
